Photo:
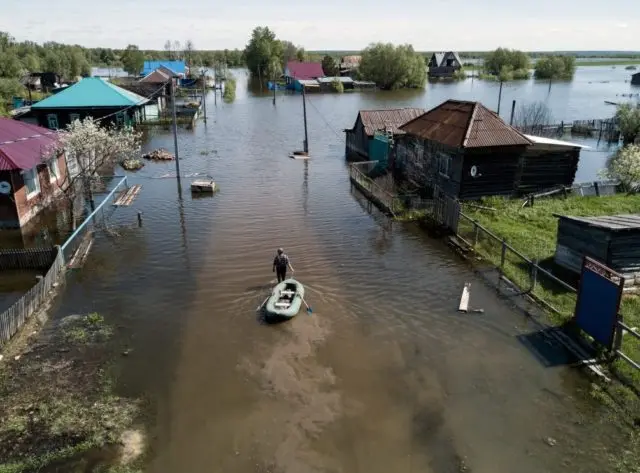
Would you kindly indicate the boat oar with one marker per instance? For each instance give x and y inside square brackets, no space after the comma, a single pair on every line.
[309,309]
[263,303]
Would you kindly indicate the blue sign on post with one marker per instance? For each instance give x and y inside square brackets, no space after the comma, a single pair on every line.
[598,305]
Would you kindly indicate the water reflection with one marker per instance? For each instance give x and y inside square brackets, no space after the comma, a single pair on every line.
[305,187]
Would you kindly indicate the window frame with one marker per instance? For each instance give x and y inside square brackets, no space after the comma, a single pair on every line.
[53,164]
[444,161]
[33,171]
[53,116]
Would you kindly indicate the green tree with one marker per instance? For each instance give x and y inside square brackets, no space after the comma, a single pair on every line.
[31,63]
[329,66]
[289,52]
[515,61]
[132,60]
[393,67]
[51,63]
[337,86]
[260,51]
[628,116]
[10,65]
[301,55]
[555,67]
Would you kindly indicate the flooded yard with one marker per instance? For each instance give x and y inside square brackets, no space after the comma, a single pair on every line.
[383,376]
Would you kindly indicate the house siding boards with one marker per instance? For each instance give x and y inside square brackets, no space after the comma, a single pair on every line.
[613,240]
[543,169]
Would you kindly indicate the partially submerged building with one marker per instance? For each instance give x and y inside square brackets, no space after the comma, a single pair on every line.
[90,97]
[464,150]
[30,180]
[635,78]
[297,71]
[368,122]
[442,65]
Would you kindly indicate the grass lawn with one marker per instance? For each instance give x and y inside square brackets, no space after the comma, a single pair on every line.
[532,231]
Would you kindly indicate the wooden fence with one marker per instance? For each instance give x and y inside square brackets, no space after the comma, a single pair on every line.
[28,258]
[383,199]
[604,129]
[15,316]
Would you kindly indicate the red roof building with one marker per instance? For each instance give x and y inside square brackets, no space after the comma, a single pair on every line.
[29,180]
[303,70]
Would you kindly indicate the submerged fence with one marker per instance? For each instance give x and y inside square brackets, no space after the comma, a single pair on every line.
[27,258]
[15,316]
[55,259]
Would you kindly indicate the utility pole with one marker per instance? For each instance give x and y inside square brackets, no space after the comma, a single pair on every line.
[274,90]
[499,97]
[204,94]
[513,109]
[175,130]
[304,110]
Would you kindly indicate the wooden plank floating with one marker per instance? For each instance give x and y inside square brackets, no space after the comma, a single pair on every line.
[464,299]
[126,197]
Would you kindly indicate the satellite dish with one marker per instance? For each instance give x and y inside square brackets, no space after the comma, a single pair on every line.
[5,187]
[474,171]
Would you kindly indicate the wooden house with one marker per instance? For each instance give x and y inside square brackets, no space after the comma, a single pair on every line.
[94,97]
[349,65]
[359,138]
[28,182]
[444,64]
[635,78]
[613,240]
[465,150]
[297,71]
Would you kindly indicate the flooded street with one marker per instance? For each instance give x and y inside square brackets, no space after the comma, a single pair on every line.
[383,376]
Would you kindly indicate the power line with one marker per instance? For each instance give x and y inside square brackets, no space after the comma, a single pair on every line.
[325,120]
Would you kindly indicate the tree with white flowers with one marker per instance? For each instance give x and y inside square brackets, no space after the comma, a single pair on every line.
[90,148]
[625,166]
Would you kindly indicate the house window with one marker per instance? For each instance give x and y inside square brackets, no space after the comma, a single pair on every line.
[73,117]
[52,121]
[444,165]
[120,119]
[54,171]
[31,182]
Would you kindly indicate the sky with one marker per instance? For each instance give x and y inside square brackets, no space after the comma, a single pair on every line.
[431,25]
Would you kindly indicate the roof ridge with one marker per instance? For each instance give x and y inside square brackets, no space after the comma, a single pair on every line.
[472,117]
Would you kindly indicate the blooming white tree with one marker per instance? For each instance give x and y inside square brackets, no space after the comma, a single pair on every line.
[625,166]
[89,149]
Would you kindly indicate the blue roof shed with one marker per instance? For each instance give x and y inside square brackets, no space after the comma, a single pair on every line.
[179,67]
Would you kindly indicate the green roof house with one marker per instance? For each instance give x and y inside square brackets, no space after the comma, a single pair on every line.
[90,97]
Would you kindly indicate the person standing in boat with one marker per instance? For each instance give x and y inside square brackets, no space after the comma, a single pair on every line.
[280,264]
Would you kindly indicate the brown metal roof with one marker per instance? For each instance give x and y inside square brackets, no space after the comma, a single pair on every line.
[390,119]
[464,125]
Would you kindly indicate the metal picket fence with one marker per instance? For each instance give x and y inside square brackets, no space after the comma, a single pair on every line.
[15,316]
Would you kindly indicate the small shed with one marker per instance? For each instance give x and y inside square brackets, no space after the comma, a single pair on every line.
[613,240]
[444,64]
[358,138]
[635,78]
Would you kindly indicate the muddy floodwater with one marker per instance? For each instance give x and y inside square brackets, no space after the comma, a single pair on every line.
[384,375]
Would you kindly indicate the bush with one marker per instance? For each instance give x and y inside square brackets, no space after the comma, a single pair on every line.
[337,86]
[625,166]
[229,94]
[628,116]
[460,74]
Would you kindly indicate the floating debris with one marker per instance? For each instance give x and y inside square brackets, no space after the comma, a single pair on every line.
[159,154]
[132,164]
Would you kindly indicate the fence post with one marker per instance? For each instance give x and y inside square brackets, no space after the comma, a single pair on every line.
[476,232]
[503,254]
[534,275]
